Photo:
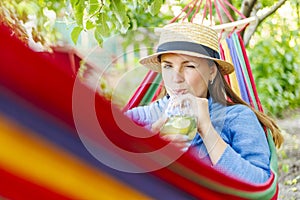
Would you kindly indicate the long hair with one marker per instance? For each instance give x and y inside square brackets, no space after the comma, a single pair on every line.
[221,92]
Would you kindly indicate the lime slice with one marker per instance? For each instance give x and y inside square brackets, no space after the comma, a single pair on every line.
[168,129]
[181,124]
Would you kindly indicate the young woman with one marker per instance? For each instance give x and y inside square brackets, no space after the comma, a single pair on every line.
[230,134]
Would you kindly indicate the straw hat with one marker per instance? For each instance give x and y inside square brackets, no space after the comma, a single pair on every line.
[189,39]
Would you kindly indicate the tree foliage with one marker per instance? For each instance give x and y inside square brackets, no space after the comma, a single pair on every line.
[275,60]
[108,17]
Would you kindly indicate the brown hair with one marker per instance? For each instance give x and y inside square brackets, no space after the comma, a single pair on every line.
[220,90]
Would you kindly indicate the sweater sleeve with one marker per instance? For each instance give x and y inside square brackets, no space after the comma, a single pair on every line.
[146,115]
[247,155]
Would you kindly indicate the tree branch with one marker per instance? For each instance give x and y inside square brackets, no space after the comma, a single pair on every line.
[251,30]
[271,11]
[247,7]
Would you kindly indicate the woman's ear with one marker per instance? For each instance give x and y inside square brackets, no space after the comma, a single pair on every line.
[213,73]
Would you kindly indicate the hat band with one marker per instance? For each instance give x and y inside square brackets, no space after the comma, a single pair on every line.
[188,46]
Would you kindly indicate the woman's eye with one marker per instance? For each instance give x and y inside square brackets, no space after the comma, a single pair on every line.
[167,66]
[190,66]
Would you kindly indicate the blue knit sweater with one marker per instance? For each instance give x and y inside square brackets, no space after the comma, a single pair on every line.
[247,155]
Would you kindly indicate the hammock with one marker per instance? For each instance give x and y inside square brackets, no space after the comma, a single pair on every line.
[42,156]
[232,49]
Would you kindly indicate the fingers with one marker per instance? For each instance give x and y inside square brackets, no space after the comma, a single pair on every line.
[181,141]
[182,105]
[176,137]
[156,126]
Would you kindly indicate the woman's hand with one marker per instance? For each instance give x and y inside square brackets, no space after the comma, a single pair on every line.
[182,141]
[215,145]
[156,126]
[198,108]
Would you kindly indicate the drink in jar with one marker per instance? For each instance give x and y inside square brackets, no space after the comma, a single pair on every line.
[185,125]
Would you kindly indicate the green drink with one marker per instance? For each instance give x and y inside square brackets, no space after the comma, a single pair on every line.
[185,125]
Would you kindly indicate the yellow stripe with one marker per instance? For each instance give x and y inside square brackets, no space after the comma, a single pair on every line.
[40,162]
[233,80]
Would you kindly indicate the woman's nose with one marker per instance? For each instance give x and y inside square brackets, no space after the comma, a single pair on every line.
[178,76]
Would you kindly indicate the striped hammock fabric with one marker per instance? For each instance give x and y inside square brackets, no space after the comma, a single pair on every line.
[43,155]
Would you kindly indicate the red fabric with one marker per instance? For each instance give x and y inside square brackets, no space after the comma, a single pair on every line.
[17,188]
[158,91]
[250,73]
[41,80]
[275,196]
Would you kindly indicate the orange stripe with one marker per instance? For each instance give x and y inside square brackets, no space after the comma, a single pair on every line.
[233,79]
[40,162]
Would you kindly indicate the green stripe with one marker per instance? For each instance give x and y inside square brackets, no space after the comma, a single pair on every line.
[244,68]
[151,91]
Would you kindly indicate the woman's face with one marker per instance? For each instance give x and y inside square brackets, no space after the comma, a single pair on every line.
[186,74]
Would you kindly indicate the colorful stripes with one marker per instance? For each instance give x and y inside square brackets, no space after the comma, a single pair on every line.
[233,79]
[48,131]
[36,94]
[37,161]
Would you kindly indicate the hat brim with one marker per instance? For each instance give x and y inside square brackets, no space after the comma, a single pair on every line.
[153,63]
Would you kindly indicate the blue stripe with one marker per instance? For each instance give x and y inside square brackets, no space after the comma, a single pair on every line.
[238,70]
[53,130]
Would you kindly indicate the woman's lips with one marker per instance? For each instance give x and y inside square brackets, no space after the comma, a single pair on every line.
[180,91]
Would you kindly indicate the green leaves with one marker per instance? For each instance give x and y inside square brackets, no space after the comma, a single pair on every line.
[93,7]
[102,25]
[155,7]
[75,34]
[108,17]
[120,13]
[102,30]
[78,8]
[275,66]
[98,35]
